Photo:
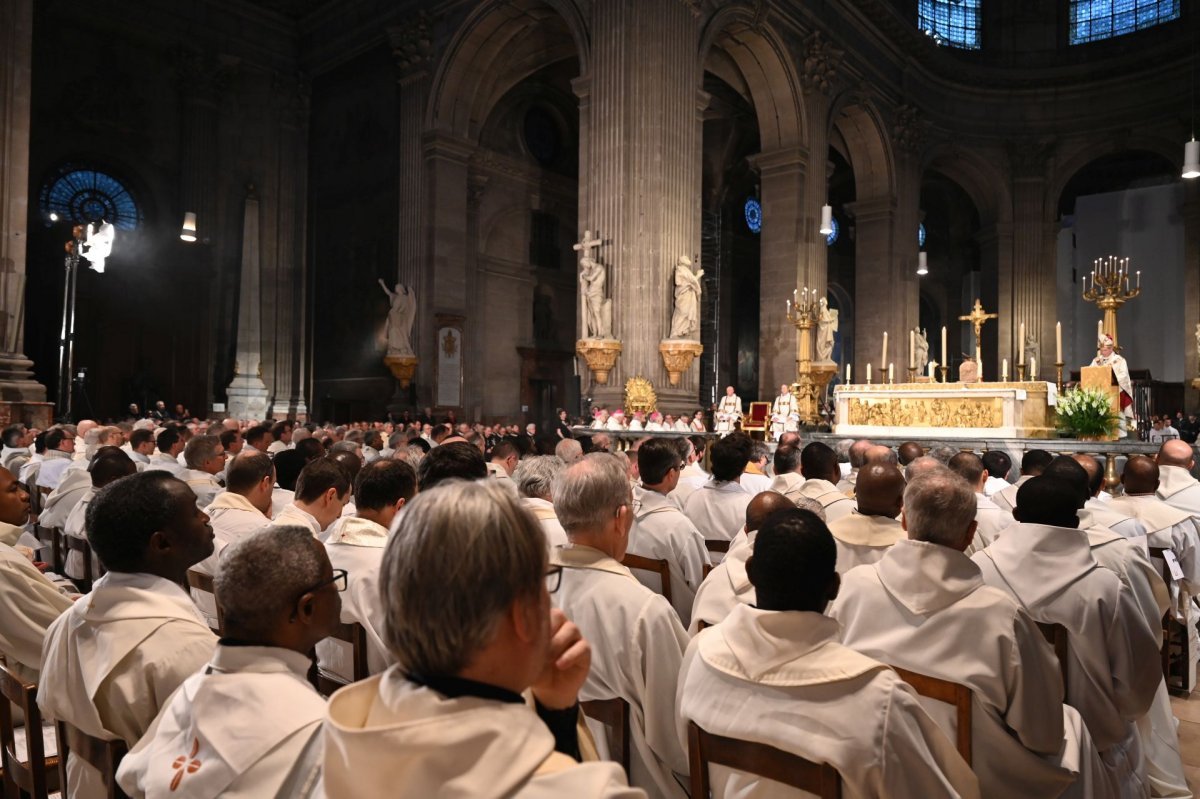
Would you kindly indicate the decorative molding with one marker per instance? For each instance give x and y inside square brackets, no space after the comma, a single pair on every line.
[1029,156]
[412,45]
[821,61]
[908,131]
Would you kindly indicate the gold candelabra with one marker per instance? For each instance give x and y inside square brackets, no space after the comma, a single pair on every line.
[1110,289]
[802,311]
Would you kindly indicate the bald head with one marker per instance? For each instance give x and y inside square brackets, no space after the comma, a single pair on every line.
[1095,472]
[878,453]
[970,467]
[880,490]
[1176,453]
[909,451]
[922,465]
[762,506]
[1140,475]
[858,453]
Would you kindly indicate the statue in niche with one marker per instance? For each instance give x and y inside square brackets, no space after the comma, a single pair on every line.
[921,345]
[685,321]
[827,325]
[1033,350]
[597,307]
[400,318]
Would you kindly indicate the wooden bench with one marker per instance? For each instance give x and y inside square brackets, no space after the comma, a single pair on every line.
[762,760]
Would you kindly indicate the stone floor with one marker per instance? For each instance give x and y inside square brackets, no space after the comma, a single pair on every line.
[1187,710]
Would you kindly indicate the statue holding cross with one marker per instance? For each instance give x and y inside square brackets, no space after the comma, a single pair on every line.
[977,317]
[597,308]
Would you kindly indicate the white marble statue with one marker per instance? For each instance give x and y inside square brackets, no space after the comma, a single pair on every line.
[685,321]
[827,325]
[597,307]
[1033,351]
[921,345]
[400,318]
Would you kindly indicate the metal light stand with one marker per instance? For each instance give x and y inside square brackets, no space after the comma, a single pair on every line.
[66,336]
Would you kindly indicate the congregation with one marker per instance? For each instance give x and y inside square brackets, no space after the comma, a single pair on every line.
[436,609]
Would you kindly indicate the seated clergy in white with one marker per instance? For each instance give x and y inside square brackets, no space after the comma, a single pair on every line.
[636,636]
[58,504]
[1176,486]
[866,534]
[755,479]
[818,464]
[249,719]
[924,607]
[534,478]
[109,464]
[205,458]
[1032,464]
[169,446]
[727,585]
[451,720]
[1167,527]
[1113,667]
[111,661]
[786,465]
[355,545]
[998,465]
[1102,512]
[718,506]
[140,447]
[1128,560]
[857,454]
[661,531]
[60,447]
[457,460]
[991,518]
[28,601]
[504,459]
[244,506]
[693,475]
[775,673]
[322,490]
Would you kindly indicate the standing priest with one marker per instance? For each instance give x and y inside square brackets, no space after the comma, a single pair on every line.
[1107,356]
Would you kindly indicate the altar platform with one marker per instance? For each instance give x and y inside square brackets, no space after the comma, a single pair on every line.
[1013,410]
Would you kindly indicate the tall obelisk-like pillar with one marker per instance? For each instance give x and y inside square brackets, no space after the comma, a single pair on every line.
[246,392]
[19,392]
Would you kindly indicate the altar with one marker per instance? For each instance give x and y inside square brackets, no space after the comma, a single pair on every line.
[946,410]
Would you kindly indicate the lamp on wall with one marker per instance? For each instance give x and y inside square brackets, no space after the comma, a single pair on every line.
[922,263]
[188,231]
[826,220]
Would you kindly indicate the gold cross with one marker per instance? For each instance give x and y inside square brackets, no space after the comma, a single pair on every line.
[977,317]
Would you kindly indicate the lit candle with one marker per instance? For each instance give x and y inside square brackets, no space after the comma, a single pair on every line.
[1139,278]
[847,374]
[789,309]
[891,374]
[1058,342]
[868,374]
[884,359]
[944,345]
[1004,370]
[795,297]
[912,349]
[1033,368]
[1021,344]
[1099,328]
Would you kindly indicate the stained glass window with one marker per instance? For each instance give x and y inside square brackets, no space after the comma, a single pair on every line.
[83,195]
[921,234]
[953,23]
[753,215]
[1092,20]
[831,237]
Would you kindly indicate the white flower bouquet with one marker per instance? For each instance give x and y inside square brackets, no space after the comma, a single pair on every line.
[1086,413]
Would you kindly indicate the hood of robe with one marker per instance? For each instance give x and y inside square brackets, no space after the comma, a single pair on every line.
[358,532]
[925,577]
[1155,514]
[1050,559]
[1173,479]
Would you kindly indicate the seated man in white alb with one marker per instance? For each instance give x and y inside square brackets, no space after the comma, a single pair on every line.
[1176,486]
[1033,462]
[452,718]
[322,490]
[249,717]
[924,607]
[992,519]
[637,640]
[381,490]
[819,466]
[169,446]
[1101,511]
[504,460]
[110,662]
[205,458]
[857,454]
[998,465]
[1113,666]
[727,584]
[1167,527]
[775,673]
[245,504]
[864,536]
[60,448]
[718,507]
[692,476]
[661,531]
[755,479]
[785,413]
[534,478]
[728,412]
[141,446]
[788,480]
[109,465]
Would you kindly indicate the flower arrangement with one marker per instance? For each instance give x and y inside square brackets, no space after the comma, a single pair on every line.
[1086,413]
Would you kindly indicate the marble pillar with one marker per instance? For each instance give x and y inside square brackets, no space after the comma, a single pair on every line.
[1027,291]
[17,385]
[247,394]
[1191,288]
[639,177]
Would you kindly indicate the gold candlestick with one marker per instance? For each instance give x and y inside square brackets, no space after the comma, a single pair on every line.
[1020,373]
[802,312]
[943,370]
[912,375]
[1110,290]
[1058,374]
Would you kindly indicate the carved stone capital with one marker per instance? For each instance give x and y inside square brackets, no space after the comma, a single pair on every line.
[1029,156]
[600,355]
[820,65]
[412,45]
[908,131]
[677,357]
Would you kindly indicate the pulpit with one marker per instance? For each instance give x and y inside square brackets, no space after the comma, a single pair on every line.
[1100,378]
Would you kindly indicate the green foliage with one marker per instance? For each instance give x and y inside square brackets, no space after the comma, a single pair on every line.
[1086,413]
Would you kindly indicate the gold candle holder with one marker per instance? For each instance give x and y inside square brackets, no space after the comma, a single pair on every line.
[1020,373]
[1058,367]
[944,370]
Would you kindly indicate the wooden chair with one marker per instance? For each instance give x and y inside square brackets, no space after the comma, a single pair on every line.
[757,420]
[613,714]
[36,776]
[951,693]
[202,582]
[355,635]
[84,549]
[1056,634]
[766,761]
[718,545]
[1175,638]
[104,756]
[661,567]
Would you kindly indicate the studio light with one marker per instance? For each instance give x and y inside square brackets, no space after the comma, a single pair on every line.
[188,232]
[1191,159]
[922,264]
[826,220]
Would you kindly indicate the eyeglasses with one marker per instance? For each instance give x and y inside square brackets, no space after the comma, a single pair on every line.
[553,578]
[338,581]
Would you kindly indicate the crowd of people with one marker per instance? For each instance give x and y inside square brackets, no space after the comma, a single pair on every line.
[489,569]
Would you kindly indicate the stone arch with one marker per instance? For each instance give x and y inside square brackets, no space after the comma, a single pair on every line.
[1075,160]
[987,186]
[500,43]
[868,144]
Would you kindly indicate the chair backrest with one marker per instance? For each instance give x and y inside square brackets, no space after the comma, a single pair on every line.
[104,756]
[763,760]
[1056,634]
[716,545]
[760,413]
[613,714]
[203,582]
[81,545]
[662,567]
[952,693]
[58,550]
[355,635]
[36,777]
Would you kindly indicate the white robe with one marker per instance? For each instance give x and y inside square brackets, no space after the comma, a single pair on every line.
[785,415]
[718,509]
[990,520]
[925,608]
[994,485]
[203,485]
[76,527]
[1006,499]
[29,603]
[862,540]
[726,586]
[849,483]
[543,511]
[292,514]
[691,477]
[729,410]
[1179,489]
[1113,667]
[111,661]
[661,532]
[789,484]
[755,483]
[835,503]
[781,678]
[1105,515]
[249,719]
[280,499]
[62,500]
[356,545]
[637,645]
[162,461]
[387,737]
[1167,527]
[53,467]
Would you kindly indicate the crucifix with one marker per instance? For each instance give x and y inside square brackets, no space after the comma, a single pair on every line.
[977,317]
[586,243]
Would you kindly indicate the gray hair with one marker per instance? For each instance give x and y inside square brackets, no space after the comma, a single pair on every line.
[920,466]
[587,493]
[942,454]
[810,504]
[842,450]
[345,445]
[938,507]
[200,449]
[535,475]
[569,451]
[262,576]
[463,552]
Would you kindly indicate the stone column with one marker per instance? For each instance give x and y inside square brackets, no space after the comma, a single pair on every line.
[17,386]
[1027,291]
[639,176]
[247,393]
[1191,303]
[878,287]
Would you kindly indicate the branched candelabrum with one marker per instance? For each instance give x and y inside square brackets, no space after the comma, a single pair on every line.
[1110,289]
[802,311]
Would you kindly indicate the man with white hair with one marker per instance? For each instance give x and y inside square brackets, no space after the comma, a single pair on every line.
[534,478]
[205,458]
[788,480]
[249,718]
[637,639]
[568,451]
[454,715]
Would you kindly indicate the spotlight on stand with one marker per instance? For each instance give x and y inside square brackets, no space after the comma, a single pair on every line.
[1191,159]
[188,231]
[826,220]
[922,264]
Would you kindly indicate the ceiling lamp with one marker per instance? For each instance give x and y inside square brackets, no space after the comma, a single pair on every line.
[188,232]
[922,264]
[826,220]
[1191,159]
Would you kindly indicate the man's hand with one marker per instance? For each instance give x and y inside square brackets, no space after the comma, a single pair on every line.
[567,664]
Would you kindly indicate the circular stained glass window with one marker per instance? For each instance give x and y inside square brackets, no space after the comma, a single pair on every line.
[921,234]
[753,215]
[832,236]
[85,196]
